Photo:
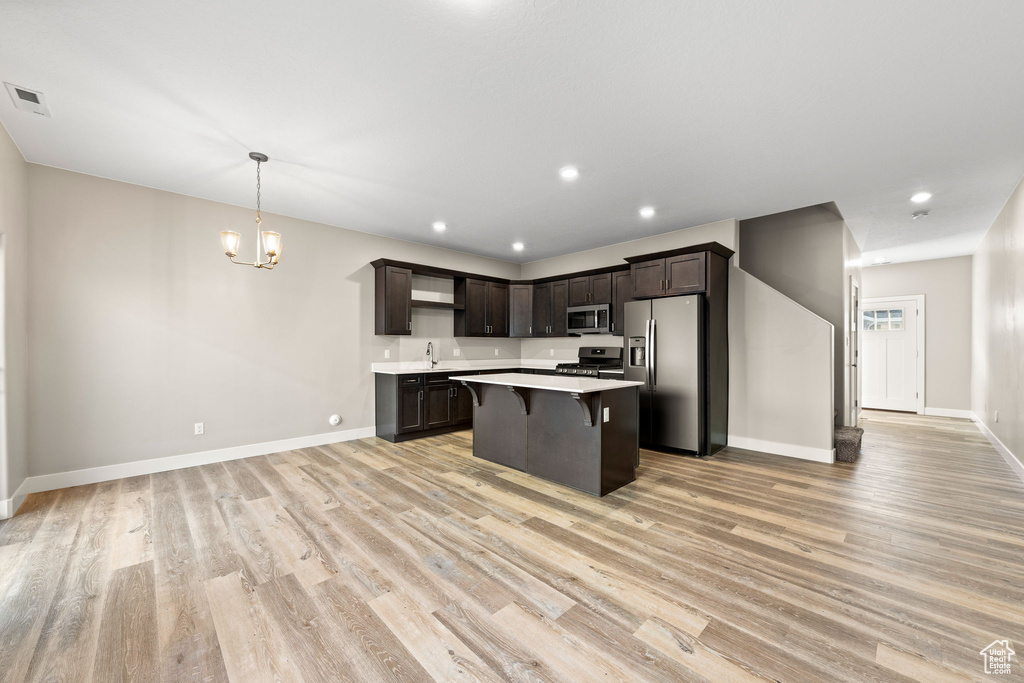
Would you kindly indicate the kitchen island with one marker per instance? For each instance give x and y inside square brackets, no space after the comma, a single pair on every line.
[577,431]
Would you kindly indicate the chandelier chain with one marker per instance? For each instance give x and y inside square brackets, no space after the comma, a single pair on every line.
[258,219]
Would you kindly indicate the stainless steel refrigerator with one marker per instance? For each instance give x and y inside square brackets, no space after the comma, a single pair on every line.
[664,341]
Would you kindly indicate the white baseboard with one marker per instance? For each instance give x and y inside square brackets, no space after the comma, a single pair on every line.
[949,412]
[93,475]
[10,506]
[1012,460]
[786,449]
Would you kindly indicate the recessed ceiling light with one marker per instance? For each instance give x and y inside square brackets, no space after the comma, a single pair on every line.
[518,246]
[921,197]
[439,226]
[569,172]
[647,212]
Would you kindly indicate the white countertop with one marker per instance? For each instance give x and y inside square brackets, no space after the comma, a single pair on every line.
[573,385]
[402,368]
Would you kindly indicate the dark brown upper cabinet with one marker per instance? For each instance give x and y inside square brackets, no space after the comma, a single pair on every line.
[481,308]
[392,300]
[670,276]
[622,291]
[590,289]
[520,298]
[686,273]
[550,301]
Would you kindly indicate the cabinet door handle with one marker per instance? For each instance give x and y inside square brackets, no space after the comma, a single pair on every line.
[668,285]
[613,327]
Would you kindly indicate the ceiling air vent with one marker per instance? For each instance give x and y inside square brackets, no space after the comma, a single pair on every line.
[28,100]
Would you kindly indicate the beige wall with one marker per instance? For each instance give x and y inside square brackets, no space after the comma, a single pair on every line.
[946,285]
[998,329]
[14,228]
[141,327]
[809,255]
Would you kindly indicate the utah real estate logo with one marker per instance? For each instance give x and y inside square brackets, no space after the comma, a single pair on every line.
[997,657]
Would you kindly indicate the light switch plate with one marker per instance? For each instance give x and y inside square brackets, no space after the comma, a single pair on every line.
[607,414]
[495,352]
[387,353]
[456,352]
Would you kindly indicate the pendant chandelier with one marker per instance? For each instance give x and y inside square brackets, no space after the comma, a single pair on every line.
[267,243]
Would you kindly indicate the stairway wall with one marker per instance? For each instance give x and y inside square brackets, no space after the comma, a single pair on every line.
[810,256]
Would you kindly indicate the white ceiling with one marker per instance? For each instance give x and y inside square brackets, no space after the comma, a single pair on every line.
[384,116]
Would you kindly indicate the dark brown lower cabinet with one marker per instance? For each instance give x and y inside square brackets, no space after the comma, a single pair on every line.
[423,404]
[409,410]
[438,405]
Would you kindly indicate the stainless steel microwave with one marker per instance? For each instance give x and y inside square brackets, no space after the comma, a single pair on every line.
[591,319]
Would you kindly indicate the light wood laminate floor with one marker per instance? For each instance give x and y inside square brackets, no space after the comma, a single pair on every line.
[370,561]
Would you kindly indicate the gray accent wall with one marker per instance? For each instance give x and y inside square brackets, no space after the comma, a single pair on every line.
[946,285]
[14,228]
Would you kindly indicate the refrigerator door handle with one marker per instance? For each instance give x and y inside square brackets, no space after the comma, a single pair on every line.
[653,356]
[647,356]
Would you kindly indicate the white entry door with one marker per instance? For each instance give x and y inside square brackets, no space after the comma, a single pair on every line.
[889,365]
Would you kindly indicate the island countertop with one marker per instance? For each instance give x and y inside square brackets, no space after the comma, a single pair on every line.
[569,385]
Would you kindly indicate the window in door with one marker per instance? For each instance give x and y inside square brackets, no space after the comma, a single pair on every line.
[883,319]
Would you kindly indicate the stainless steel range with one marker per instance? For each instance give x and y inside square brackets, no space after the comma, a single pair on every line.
[595,361]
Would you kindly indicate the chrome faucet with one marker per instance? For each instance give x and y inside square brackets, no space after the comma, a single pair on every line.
[430,355]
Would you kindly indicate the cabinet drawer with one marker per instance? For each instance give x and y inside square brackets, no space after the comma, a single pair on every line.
[437,378]
[410,380]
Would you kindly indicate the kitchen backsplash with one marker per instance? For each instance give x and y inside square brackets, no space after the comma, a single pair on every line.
[435,326]
[566,348]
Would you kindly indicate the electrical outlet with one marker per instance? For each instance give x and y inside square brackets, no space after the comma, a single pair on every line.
[551,352]
[200,428]
[456,352]
[997,416]
[495,352]
[607,414]
[387,353]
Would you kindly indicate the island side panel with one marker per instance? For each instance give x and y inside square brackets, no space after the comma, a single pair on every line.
[560,447]
[620,450]
[385,392]
[499,426]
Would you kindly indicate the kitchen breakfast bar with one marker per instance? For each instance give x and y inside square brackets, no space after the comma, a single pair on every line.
[577,431]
